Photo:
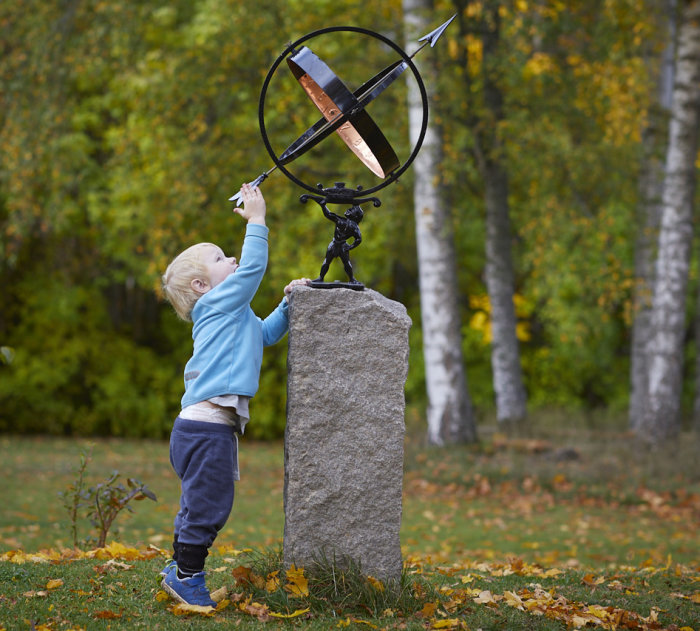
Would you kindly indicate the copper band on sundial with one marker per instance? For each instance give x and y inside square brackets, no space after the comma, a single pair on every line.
[335,101]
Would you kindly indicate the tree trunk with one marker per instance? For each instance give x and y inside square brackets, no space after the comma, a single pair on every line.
[511,399]
[651,182]
[450,412]
[661,419]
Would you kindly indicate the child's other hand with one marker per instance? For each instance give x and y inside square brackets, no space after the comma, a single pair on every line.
[295,283]
[254,208]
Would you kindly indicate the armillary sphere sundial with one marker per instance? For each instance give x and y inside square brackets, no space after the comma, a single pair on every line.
[344,113]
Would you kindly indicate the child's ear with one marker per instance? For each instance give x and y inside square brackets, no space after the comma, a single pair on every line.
[200,286]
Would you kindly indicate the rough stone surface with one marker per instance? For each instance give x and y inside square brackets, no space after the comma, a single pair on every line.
[347,364]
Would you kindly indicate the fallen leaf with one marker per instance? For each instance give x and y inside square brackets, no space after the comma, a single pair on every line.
[513,600]
[54,583]
[106,614]
[218,595]
[297,584]
[261,612]
[377,584]
[184,610]
[113,565]
[295,614]
[447,623]
[222,604]
[485,598]
[428,610]
[590,579]
[272,584]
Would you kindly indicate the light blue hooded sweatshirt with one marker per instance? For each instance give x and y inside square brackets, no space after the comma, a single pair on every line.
[228,336]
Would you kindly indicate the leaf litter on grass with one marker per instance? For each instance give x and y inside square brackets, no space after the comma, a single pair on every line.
[446,596]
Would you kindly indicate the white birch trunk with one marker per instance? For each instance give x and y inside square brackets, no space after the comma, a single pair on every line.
[651,183]
[661,419]
[450,411]
[511,399]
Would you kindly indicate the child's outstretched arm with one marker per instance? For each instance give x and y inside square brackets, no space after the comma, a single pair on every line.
[277,323]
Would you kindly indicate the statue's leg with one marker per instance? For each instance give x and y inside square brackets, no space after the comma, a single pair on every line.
[345,257]
[324,269]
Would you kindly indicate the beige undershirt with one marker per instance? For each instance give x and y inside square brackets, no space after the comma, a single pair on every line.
[230,409]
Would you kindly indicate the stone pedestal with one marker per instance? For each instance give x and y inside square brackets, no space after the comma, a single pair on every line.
[347,365]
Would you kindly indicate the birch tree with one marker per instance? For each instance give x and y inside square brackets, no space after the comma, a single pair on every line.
[651,182]
[661,419]
[485,119]
[500,278]
[450,412]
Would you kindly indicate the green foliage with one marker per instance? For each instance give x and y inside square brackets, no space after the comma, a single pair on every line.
[124,127]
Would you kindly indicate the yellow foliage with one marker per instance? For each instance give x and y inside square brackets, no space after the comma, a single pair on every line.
[294,614]
[297,584]
[184,610]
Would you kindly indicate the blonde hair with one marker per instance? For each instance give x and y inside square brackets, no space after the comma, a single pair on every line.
[177,280]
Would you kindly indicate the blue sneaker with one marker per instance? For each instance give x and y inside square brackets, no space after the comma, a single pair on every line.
[191,591]
[166,569]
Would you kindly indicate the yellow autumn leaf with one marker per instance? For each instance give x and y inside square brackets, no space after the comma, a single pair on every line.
[272,583]
[485,597]
[513,600]
[592,580]
[184,610]
[447,623]
[218,595]
[297,584]
[54,583]
[376,583]
[598,612]
[162,596]
[295,614]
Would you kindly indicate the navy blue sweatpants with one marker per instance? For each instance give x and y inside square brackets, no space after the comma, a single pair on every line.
[205,457]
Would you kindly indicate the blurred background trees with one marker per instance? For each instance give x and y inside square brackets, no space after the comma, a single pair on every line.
[125,126]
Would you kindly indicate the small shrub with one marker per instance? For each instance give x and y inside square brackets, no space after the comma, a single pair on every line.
[103,502]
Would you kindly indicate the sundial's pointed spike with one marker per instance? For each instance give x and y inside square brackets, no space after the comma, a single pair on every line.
[433,36]
[256,182]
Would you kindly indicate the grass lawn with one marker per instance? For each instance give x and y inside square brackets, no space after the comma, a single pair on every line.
[559,520]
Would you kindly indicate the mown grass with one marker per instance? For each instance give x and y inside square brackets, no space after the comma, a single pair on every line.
[621,524]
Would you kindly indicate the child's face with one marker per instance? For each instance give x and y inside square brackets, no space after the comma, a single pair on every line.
[219,266]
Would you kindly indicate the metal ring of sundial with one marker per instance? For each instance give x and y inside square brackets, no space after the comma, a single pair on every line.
[343,111]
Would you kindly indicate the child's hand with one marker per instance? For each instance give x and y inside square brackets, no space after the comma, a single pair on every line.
[254,208]
[293,284]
